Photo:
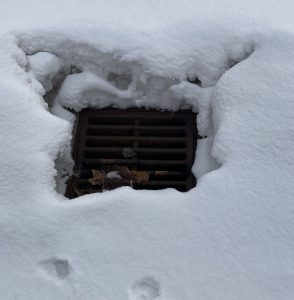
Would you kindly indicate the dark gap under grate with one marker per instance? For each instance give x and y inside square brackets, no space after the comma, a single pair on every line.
[145,149]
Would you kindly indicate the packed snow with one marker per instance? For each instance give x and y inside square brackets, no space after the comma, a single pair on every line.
[230,237]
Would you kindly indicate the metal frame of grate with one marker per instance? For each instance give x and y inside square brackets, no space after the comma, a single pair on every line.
[145,149]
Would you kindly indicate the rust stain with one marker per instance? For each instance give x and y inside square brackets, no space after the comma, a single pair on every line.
[98,177]
[139,176]
[161,173]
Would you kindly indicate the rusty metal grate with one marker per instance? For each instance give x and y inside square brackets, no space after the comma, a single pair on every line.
[145,149]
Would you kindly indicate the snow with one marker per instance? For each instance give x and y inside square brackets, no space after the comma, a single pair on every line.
[114,174]
[85,89]
[204,161]
[44,66]
[232,236]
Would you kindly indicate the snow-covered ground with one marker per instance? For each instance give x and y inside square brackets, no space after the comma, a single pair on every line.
[232,236]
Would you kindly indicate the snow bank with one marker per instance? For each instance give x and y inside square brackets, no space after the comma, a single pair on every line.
[231,237]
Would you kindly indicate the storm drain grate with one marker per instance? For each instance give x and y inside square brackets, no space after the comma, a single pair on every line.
[145,149]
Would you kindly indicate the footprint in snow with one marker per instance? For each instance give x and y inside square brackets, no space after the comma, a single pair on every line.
[145,289]
[56,267]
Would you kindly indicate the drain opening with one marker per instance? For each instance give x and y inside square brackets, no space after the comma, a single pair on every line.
[144,149]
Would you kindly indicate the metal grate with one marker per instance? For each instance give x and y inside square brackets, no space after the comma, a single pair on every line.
[145,149]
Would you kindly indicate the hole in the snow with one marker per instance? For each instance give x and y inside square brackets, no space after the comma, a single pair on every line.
[122,153]
[121,81]
[144,149]
[194,80]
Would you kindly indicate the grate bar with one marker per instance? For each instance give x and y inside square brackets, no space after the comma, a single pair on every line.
[133,161]
[135,138]
[140,127]
[138,150]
